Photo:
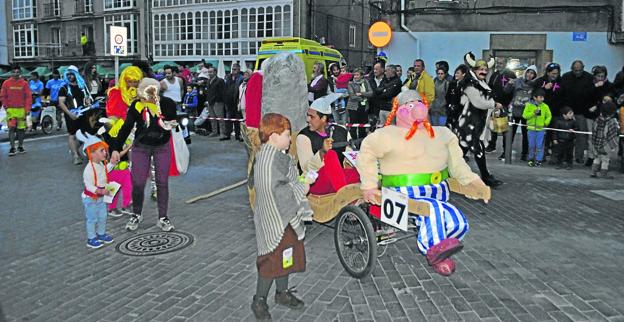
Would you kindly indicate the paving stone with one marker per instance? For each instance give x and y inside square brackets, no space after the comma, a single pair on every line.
[518,264]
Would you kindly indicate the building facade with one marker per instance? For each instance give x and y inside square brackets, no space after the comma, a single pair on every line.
[4,42]
[187,30]
[191,30]
[49,31]
[343,24]
[524,31]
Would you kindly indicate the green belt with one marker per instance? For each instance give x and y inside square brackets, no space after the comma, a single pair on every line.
[418,179]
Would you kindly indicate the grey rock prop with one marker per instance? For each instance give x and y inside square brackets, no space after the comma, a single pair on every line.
[285,88]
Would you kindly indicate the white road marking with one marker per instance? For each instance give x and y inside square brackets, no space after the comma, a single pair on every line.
[39,139]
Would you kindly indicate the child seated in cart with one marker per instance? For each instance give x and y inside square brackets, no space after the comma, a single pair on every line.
[415,158]
[279,211]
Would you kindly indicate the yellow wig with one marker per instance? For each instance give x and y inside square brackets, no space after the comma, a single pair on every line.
[132,73]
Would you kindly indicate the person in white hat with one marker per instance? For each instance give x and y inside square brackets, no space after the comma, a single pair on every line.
[316,152]
[95,178]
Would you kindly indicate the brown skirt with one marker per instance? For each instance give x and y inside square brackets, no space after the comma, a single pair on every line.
[288,257]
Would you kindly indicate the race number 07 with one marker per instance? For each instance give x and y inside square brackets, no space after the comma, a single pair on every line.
[394,208]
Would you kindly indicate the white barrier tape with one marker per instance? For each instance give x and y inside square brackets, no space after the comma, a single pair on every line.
[558,130]
[223,119]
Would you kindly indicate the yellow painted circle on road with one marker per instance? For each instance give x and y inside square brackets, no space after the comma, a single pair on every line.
[380,34]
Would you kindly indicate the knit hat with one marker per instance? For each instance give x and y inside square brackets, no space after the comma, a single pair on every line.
[323,104]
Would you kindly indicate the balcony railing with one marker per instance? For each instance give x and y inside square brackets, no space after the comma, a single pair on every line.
[52,10]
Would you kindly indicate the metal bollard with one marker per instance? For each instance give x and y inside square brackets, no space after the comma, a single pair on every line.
[508,147]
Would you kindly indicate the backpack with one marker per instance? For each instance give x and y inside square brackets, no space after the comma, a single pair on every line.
[521,97]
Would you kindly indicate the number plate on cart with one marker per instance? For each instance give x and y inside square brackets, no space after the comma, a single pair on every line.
[394,208]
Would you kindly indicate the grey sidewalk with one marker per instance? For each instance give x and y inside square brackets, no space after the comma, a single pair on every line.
[545,249]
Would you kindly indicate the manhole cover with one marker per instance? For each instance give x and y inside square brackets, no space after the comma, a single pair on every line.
[156,243]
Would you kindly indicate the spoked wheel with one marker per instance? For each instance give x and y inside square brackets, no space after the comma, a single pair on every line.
[355,241]
[47,124]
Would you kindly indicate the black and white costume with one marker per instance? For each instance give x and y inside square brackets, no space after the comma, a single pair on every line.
[472,127]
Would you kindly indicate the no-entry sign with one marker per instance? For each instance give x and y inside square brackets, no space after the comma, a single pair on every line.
[118,41]
[380,34]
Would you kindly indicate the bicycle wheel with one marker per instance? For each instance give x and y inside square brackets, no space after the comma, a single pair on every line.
[355,241]
[47,124]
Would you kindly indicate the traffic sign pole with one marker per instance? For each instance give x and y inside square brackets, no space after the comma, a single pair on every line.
[118,46]
[116,70]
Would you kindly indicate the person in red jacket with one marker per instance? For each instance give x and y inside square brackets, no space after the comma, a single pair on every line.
[16,98]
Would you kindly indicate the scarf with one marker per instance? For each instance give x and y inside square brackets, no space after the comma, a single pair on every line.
[149,110]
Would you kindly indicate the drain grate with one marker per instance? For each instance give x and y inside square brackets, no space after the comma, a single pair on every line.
[155,243]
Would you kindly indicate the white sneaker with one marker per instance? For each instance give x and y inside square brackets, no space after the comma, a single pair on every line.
[133,223]
[115,213]
[165,224]
[77,160]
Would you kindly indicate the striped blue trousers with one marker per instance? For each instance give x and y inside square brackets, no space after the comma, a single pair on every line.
[444,220]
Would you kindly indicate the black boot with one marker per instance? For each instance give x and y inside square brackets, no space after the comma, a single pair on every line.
[287,298]
[260,309]
[491,181]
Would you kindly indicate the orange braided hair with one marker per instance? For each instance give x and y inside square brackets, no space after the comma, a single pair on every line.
[395,108]
[95,147]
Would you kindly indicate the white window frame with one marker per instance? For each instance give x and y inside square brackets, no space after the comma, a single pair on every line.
[88,6]
[56,33]
[226,30]
[118,4]
[133,31]
[25,12]
[56,8]
[19,45]
[352,36]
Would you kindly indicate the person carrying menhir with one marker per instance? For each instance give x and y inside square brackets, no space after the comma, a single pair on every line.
[416,159]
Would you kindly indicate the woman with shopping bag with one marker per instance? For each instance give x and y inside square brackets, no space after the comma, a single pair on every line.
[154,118]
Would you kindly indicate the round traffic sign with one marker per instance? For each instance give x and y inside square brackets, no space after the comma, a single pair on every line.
[119,39]
[380,34]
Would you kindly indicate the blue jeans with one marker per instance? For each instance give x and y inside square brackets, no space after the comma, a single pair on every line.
[339,111]
[95,213]
[536,145]
[438,120]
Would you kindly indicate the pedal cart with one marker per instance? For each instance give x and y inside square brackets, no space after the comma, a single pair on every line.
[360,229]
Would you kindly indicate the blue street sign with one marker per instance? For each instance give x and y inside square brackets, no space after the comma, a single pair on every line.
[579,36]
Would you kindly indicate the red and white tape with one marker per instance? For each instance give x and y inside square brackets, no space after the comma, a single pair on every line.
[557,130]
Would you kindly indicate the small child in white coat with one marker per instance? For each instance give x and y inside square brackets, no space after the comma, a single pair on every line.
[95,177]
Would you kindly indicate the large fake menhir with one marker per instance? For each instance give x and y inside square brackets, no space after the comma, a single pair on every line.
[416,159]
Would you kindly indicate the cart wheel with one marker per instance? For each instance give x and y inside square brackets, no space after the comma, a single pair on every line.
[47,124]
[355,241]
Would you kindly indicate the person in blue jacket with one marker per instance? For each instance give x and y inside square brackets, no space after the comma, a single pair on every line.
[189,103]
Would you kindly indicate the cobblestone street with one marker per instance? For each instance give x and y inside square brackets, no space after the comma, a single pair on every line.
[548,247]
